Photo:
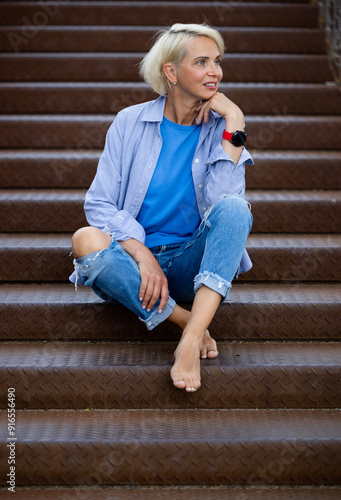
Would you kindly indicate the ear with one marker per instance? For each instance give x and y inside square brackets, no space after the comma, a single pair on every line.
[170,72]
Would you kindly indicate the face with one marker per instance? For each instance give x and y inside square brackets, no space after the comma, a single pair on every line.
[199,73]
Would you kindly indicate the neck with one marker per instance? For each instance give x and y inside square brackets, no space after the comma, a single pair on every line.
[182,113]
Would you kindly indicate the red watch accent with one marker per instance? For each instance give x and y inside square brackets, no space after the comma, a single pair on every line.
[227,135]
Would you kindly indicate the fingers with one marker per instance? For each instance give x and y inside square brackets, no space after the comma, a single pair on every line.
[164,296]
[154,286]
[204,111]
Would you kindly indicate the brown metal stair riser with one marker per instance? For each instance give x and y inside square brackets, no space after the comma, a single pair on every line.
[105,67]
[128,39]
[138,377]
[111,98]
[148,447]
[86,132]
[269,264]
[259,312]
[121,13]
[70,169]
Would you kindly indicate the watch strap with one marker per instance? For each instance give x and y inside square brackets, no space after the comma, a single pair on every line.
[227,135]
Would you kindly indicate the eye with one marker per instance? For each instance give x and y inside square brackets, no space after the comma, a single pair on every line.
[201,62]
[218,62]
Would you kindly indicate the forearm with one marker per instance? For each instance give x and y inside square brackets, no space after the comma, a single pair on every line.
[232,124]
[134,248]
[154,284]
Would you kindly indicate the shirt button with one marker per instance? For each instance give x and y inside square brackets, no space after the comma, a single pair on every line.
[196,160]
[200,186]
[204,208]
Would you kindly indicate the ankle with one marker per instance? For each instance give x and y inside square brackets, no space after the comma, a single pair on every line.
[179,317]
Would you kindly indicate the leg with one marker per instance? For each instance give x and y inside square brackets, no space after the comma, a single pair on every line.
[113,274]
[88,240]
[180,317]
[227,227]
[186,370]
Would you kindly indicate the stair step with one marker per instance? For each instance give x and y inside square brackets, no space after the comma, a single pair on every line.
[292,170]
[176,492]
[276,375]
[36,257]
[148,447]
[111,67]
[112,97]
[53,169]
[281,131]
[255,311]
[133,38]
[160,13]
[54,211]
[76,169]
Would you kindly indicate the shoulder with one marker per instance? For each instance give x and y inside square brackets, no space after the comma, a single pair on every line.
[145,111]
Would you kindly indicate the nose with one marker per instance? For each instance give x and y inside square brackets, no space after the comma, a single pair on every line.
[214,70]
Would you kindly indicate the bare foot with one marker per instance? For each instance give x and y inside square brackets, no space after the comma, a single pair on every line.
[209,346]
[186,370]
[209,349]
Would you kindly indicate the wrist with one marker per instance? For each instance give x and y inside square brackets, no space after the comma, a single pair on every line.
[234,122]
[133,247]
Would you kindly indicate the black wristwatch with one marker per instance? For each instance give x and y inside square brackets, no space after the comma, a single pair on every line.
[238,138]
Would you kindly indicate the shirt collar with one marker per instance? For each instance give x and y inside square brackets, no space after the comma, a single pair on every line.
[154,113]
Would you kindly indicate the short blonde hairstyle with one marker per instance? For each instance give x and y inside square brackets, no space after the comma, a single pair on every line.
[170,47]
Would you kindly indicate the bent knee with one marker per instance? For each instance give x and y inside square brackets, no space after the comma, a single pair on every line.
[234,202]
[234,207]
[88,240]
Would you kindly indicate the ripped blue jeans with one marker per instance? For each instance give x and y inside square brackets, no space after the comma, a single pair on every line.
[211,257]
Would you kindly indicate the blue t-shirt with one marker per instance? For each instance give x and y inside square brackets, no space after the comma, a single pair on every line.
[169,213]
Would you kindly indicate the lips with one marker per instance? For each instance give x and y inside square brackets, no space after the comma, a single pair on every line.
[211,85]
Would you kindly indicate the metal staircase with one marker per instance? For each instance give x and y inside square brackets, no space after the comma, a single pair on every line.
[97,416]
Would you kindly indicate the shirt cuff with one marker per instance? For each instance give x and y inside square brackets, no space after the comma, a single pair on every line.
[123,226]
[219,154]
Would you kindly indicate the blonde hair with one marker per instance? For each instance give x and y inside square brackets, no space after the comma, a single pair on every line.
[170,47]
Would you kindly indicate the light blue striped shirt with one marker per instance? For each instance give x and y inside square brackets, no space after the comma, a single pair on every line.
[126,166]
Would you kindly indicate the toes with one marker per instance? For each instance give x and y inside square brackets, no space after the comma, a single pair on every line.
[180,384]
[203,353]
[212,354]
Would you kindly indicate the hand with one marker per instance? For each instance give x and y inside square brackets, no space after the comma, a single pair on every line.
[154,284]
[234,119]
[224,107]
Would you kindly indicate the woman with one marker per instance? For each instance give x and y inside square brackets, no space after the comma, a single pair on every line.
[168,222]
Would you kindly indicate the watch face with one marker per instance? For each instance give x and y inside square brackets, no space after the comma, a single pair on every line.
[239,138]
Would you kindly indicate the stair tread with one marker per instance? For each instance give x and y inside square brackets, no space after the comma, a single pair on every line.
[160,354]
[51,240]
[326,293]
[225,426]
[252,195]
[27,154]
[176,493]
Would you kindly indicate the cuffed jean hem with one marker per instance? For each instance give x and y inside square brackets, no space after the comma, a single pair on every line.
[212,281]
[156,318]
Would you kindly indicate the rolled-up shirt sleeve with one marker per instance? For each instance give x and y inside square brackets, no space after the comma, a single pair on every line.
[223,177]
[102,199]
